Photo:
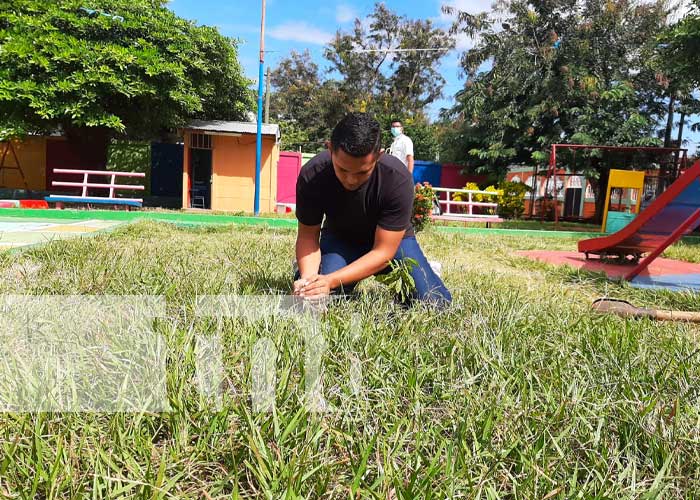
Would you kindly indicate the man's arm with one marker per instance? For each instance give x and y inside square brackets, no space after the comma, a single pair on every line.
[386,244]
[409,159]
[308,250]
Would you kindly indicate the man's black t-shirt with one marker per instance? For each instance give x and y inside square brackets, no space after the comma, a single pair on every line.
[385,200]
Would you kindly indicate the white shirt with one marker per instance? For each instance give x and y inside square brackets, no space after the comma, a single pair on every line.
[401,148]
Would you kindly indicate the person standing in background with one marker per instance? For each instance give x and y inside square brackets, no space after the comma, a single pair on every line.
[402,147]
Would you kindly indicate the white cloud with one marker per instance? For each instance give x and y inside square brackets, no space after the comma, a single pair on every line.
[680,9]
[344,14]
[462,41]
[470,6]
[300,31]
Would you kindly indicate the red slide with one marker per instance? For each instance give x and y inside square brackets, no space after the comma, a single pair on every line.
[675,212]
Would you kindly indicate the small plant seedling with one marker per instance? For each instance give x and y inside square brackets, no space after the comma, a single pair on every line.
[399,279]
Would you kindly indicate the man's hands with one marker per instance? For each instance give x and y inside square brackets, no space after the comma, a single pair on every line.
[314,287]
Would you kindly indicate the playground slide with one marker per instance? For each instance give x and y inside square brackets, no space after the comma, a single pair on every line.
[669,216]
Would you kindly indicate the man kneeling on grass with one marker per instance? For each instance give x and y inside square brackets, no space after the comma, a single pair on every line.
[367,200]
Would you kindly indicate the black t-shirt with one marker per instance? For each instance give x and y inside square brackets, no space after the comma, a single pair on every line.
[384,200]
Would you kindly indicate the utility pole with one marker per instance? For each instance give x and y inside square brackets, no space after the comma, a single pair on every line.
[267,95]
[258,139]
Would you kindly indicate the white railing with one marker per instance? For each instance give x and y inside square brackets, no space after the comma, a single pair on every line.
[112,186]
[448,203]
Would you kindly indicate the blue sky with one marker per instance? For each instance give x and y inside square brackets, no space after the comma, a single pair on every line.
[309,24]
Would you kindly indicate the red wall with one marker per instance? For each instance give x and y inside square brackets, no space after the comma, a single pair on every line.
[287,172]
[88,152]
[452,178]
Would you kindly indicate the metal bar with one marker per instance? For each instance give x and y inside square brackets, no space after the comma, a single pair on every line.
[267,95]
[470,204]
[666,243]
[619,148]
[97,185]
[97,172]
[112,187]
[85,181]
[475,216]
[140,200]
[434,49]
[258,136]
[475,191]
[473,203]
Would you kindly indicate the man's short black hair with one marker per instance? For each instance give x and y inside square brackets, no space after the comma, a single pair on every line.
[358,134]
[396,120]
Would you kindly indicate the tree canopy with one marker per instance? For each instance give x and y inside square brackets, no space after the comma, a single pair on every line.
[130,66]
[365,73]
[681,46]
[560,71]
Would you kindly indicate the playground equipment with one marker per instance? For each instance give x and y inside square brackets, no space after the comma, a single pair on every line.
[672,214]
[622,180]
[85,184]
[671,162]
[465,216]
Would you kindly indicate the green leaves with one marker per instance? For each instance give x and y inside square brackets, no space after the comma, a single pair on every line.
[386,84]
[678,48]
[399,279]
[558,70]
[127,65]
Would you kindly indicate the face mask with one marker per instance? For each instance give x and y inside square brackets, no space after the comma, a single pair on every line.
[396,131]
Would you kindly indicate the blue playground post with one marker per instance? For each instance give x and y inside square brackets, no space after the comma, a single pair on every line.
[258,139]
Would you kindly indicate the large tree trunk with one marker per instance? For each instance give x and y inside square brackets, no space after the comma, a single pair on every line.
[600,189]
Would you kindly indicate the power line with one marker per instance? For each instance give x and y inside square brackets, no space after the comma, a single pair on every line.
[403,50]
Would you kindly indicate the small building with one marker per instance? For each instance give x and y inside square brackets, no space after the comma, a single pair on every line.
[219,166]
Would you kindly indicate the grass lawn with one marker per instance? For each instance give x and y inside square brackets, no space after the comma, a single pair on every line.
[517,391]
[534,224]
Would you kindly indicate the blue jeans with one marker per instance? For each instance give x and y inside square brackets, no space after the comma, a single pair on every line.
[336,254]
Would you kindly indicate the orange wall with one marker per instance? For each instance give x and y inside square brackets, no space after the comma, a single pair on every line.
[233,166]
[31,153]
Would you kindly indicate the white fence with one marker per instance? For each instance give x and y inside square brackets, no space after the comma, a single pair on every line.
[447,203]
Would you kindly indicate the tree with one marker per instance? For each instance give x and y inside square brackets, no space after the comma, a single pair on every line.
[306,107]
[681,45]
[561,71]
[373,78]
[378,78]
[129,66]
[678,72]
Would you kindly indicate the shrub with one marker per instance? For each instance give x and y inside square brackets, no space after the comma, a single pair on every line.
[511,200]
[509,195]
[480,197]
[422,206]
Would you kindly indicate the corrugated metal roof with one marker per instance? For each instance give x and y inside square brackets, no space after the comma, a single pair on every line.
[233,127]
